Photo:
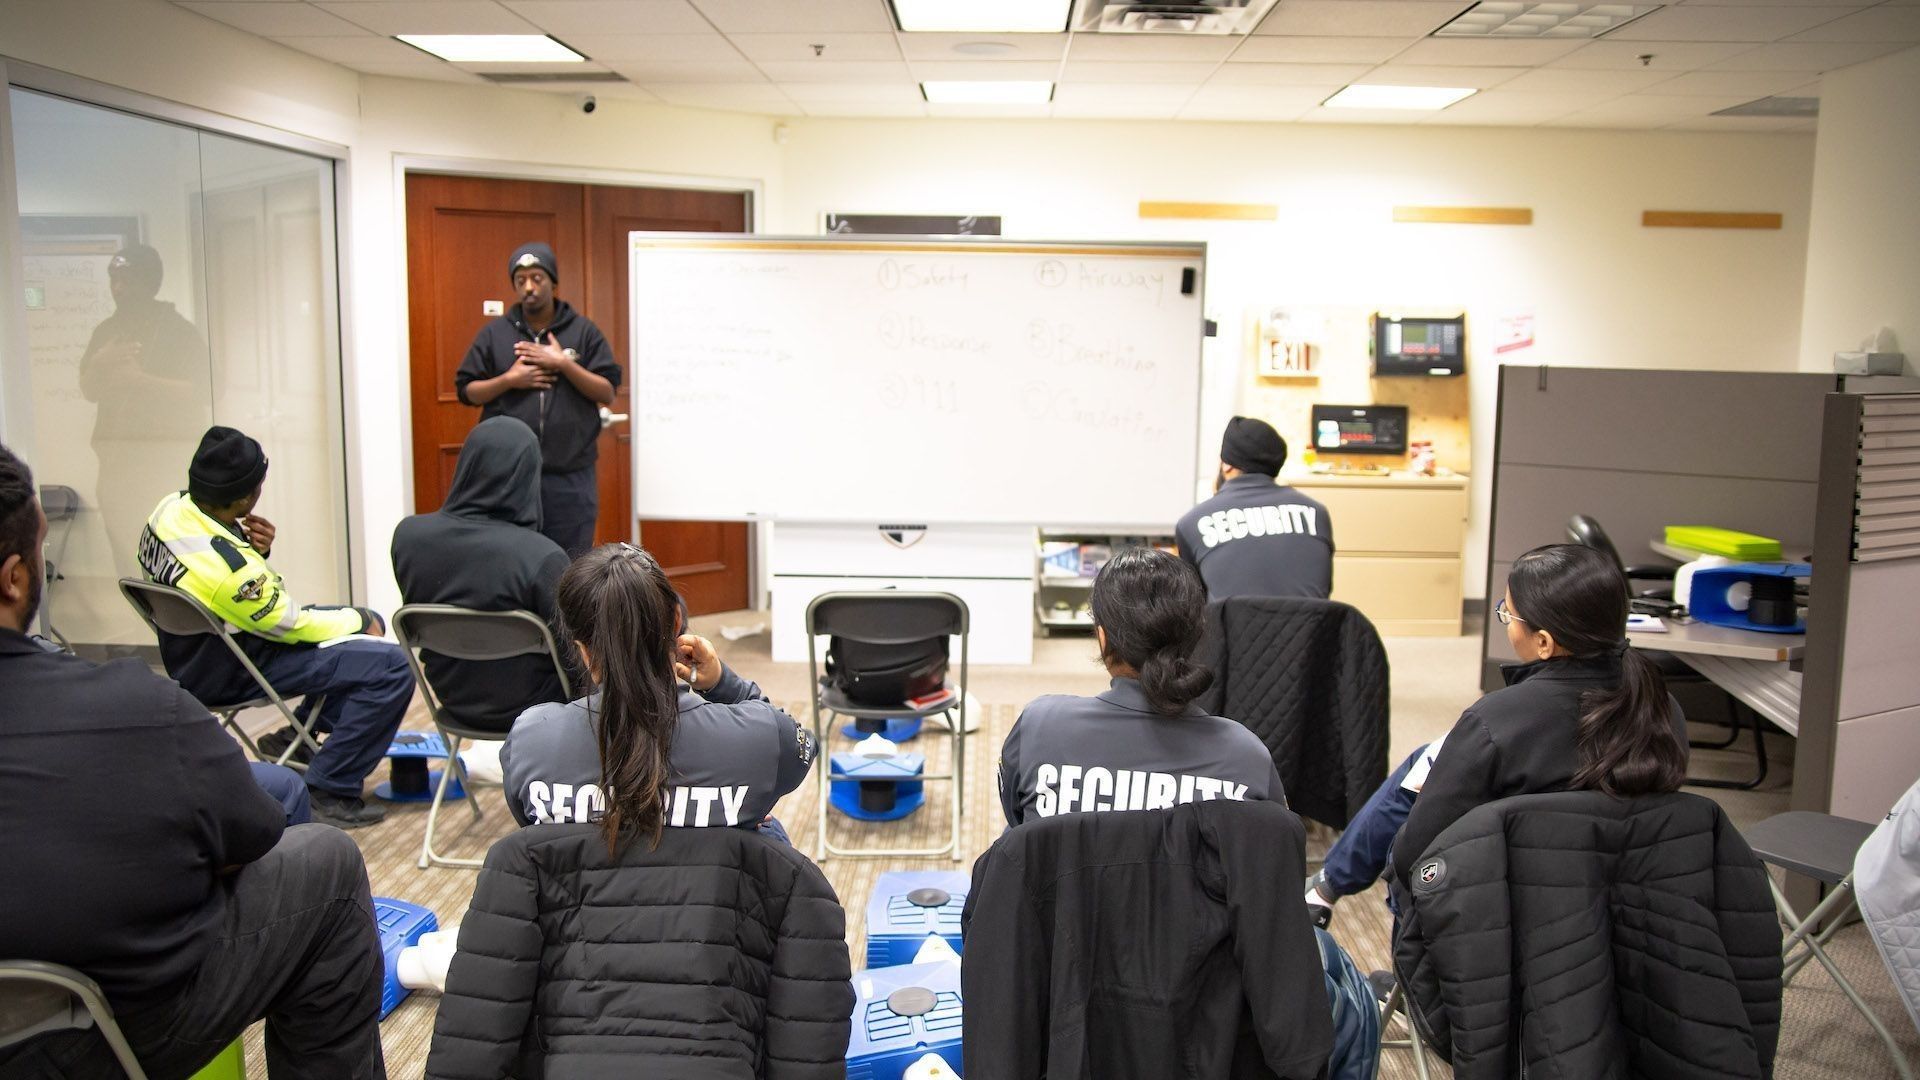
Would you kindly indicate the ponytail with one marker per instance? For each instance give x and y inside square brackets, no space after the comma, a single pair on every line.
[617,602]
[1150,604]
[1627,742]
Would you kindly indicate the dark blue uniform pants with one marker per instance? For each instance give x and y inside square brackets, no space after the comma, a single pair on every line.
[368,688]
[569,507]
[287,789]
[1359,857]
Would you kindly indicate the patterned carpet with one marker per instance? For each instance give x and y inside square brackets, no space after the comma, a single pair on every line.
[1823,1037]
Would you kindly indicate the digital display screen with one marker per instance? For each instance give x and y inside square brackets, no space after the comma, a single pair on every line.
[1405,346]
[1360,429]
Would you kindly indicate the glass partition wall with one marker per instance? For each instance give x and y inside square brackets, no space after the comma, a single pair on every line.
[174,278]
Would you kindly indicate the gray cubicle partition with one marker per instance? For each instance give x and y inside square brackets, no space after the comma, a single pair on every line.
[1641,450]
[1859,746]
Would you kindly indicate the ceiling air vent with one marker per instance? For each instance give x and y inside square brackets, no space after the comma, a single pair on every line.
[1775,106]
[1126,17]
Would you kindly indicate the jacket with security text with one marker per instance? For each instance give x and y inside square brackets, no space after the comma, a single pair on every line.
[718,955]
[1153,944]
[184,547]
[1576,936]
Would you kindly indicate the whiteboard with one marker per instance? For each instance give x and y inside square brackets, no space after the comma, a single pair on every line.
[913,380]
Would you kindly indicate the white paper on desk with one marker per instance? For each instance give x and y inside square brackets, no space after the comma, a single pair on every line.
[1646,624]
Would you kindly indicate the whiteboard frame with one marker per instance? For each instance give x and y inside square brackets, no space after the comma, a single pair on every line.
[692,241]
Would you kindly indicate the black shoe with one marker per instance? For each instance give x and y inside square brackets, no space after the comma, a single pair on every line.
[343,812]
[275,743]
[1319,906]
[1383,983]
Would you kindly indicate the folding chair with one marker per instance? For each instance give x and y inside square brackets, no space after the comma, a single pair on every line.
[170,611]
[1395,1001]
[61,504]
[1822,847]
[465,634]
[888,618]
[37,997]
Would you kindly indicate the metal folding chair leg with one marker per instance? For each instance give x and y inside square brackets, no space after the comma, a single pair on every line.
[1801,932]
[90,998]
[824,848]
[1396,1003]
[428,856]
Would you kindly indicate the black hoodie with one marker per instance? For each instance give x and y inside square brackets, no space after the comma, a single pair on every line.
[565,420]
[483,550]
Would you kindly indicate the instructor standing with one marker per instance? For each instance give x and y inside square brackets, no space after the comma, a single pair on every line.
[549,367]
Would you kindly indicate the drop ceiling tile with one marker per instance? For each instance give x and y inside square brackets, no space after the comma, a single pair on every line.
[354,51]
[431,69]
[278,20]
[809,94]
[1807,55]
[1513,108]
[563,17]
[843,71]
[1575,81]
[1316,50]
[732,94]
[799,47]
[1006,46]
[583,71]
[1114,110]
[1811,89]
[670,48]
[1742,84]
[1153,47]
[665,72]
[432,17]
[1888,22]
[1479,78]
[796,16]
[1297,98]
[1666,55]
[1359,18]
[1087,94]
[1288,74]
[1277,112]
[1646,111]
[995,70]
[865,111]
[1112,71]
[1402,117]
[1493,52]
[1729,22]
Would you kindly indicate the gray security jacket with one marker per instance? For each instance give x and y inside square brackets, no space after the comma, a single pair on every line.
[1259,538]
[1068,755]
[734,755]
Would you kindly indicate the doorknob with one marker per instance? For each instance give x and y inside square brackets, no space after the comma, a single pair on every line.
[608,418]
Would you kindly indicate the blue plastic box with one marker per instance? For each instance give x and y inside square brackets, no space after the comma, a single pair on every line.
[892,780]
[900,1015]
[907,907]
[401,925]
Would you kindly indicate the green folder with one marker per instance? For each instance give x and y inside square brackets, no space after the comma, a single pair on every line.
[1710,540]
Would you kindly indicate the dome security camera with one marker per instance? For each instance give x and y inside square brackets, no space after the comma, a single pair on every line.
[588,103]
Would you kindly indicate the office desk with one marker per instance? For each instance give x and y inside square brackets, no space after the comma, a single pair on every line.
[1754,667]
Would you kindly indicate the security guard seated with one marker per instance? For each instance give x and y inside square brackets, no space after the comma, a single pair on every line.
[1257,537]
[208,542]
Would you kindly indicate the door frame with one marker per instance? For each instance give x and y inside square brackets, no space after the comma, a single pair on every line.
[754,189]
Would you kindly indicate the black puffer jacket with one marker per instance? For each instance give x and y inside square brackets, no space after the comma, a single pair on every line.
[1310,678]
[1582,937]
[720,955]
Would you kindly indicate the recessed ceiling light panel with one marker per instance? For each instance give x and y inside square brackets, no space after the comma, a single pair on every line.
[981,16]
[1426,98]
[494,48]
[982,92]
[1524,19]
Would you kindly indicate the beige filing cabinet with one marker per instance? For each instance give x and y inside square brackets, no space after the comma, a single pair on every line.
[1397,547]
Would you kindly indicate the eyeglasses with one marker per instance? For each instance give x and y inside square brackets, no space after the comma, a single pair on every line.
[1504,613]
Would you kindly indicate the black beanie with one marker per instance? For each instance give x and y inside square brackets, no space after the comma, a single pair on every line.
[226,468]
[534,254]
[139,266]
[1253,446]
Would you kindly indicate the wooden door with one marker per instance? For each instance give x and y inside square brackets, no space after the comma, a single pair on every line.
[460,230]
[706,560]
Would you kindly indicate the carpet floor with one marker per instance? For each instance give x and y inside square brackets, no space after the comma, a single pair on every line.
[1822,1038]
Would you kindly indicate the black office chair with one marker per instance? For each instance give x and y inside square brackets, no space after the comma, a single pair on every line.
[1586,532]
